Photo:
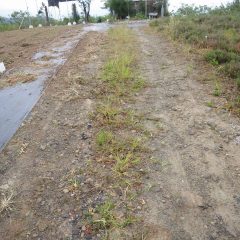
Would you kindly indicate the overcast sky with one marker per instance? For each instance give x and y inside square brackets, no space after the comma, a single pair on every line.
[7,7]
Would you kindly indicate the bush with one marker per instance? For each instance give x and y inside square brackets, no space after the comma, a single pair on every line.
[139,16]
[218,56]
[232,69]
[154,23]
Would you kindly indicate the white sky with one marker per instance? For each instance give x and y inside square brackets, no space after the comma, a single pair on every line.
[8,6]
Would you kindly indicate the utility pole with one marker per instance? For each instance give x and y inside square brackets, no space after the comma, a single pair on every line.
[146,10]
[163,4]
[162,11]
[46,12]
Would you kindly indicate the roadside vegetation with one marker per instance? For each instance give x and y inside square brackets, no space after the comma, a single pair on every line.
[216,34]
[22,20]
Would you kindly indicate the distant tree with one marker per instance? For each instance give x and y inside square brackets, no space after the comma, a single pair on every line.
[18,16]
[119,8]
[186,9]
[75,14]
[85,5]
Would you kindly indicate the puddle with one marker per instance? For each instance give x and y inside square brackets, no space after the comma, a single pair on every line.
[100,27]
[17,102]
[39,55]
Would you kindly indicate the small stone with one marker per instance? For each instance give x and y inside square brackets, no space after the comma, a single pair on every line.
[42,226]
[84,228]
[65,190]
[139,208]
[163,201]
[84,136]
[89,180]
[43,147]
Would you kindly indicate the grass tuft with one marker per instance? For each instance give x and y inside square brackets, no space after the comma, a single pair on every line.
[6,202]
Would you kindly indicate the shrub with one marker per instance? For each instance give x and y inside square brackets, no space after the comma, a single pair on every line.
[154,23]
[232,69]
[218,56]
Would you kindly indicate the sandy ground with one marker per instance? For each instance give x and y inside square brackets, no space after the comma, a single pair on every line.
[192,185]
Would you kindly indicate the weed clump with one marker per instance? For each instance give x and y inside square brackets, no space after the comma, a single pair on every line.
[218,56]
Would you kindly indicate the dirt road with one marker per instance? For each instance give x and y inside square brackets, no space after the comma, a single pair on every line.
[196,181]
[191,188]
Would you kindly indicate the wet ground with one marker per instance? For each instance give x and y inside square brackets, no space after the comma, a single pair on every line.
[17,101]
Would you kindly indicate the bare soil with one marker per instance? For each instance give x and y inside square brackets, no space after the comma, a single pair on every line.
[193,175]
[38,163]
[195,179]
[17,47]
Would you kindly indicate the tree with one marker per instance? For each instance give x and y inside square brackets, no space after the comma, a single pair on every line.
[18,16]
[85,5]
[120,8]
[75,14]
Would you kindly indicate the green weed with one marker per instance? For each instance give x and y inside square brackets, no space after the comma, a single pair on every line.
[210,104]
[217,89]
[103,138]
[107,218]
[123,163]
[216,57]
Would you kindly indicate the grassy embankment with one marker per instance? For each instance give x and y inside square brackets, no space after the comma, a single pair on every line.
[216,35]
[7,27]
[119,140]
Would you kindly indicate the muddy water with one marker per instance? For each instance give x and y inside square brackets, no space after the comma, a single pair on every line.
[16,102]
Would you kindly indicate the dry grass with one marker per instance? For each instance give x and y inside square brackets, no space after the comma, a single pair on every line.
[13,79]
[6,202]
